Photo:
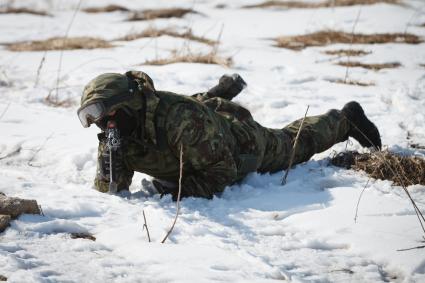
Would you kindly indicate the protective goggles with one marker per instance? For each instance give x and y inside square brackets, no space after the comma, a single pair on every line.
[95,111]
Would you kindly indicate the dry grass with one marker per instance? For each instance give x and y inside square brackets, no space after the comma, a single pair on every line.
[352,82]
[382,165]
[154,32]
[324,4]
[106,9]
[323,38]
[347,52]
[83,236]
[375,67]
[11,10]
[60,43]
[160,14]
[189,57]
[422,65]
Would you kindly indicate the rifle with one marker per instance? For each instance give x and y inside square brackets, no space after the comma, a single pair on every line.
[113,144]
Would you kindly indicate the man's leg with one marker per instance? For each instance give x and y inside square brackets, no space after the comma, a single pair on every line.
[318,134]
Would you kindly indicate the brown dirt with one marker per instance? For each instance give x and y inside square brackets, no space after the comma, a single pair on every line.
[323,38]
[347,52]
[3,278]
[159,13]
[16,206]
[210,58]
[409,170]
[422,65]
[352,82]
[325,4]
[83,236]
[60,43]
[106,9]
[375,67]
[154,32]
[23,11]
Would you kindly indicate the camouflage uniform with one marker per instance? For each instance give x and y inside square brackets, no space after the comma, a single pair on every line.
[221,142]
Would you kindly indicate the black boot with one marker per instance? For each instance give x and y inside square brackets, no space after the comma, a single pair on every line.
[228,87]
[361,128]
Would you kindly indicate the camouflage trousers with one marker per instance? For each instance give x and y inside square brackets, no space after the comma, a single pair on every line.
[318,134]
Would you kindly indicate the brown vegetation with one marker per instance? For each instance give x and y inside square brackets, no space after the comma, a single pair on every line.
[106,9]
[347,52]
[375,67]
[325,4]
[383,165]
[154,32]
[10,10]
[83,236]
[160,13]
[60,43]
[189,57]
[352,82]
[322,38]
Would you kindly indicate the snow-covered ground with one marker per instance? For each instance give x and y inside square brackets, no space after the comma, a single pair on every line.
[257,231]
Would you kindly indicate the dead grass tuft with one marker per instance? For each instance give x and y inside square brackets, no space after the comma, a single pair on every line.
[189,57]
[10,10]
[325,4]
[160,14]
[323,38]
[60,43]
[351,82]
[375,67]
[383,164]
[154,32]
[347,52]
[83,236]
[106,9]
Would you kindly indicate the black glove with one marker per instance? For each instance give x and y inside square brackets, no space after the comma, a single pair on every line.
[228,87]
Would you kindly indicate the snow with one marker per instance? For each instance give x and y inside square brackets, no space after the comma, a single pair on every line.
[256,231]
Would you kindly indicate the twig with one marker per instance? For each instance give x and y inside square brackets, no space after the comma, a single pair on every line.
[358,201]
[294,148]
[418,212]
[5,110]
[61,52]
[146,226]
[40,66]
[39,149]
[418,247]
[16,151]
[351,43]
[178,195]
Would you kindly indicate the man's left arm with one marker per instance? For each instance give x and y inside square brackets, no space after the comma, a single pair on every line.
[205,152]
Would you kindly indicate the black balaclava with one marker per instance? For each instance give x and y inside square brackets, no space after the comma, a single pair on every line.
[125,120]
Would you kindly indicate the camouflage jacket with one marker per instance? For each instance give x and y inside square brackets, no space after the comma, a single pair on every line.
[217,138]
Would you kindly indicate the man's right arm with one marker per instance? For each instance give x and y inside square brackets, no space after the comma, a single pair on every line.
[124,175]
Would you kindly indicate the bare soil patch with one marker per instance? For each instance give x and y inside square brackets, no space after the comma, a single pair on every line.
[422,65]
[3,278]
[347,52]
[375,67]
[159,14]
[189,57]
[324,4]
[154,32]
[323,38]
[106,9]
[11,10]
[409,170]
[60,43]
